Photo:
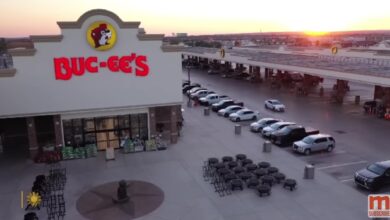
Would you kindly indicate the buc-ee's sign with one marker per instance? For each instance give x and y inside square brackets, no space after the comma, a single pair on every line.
[101,36]
[65,67]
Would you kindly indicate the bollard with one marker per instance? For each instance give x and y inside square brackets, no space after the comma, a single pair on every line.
[206,111]
[267,147]
[237,129]
[309,172]
[357,100]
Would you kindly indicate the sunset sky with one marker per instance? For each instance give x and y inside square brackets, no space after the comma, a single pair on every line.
[34,17]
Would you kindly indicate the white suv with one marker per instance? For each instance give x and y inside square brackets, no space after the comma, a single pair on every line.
[317,142]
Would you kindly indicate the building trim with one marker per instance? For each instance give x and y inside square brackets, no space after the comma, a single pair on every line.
[46,38]
[89,110]
[22,52]
[7,72]
[77,24]
[150,37]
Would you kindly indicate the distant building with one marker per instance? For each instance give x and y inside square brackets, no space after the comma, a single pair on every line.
[181,35]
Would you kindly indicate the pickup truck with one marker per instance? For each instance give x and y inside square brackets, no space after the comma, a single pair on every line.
[289,134]
[211,99]
[224,103]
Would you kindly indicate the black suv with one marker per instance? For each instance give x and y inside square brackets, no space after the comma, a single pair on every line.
[224,103]
[374,176]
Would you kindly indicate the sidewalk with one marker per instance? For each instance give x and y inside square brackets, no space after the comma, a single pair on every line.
[178,172]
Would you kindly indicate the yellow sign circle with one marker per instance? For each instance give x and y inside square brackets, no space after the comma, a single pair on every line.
[101,35]
[222,52]
[334,50]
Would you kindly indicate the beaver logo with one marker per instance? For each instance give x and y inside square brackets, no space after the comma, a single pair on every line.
[101,35]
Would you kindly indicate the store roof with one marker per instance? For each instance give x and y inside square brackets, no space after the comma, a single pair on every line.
[357,65]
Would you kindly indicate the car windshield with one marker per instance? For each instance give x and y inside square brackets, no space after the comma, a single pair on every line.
[375,168]
[308,140]
[285,130]
[275,102]
[275,126]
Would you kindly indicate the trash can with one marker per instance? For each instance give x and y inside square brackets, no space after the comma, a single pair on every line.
[237,129]
[309,172]
[206,111]
[267,147]
[357,100]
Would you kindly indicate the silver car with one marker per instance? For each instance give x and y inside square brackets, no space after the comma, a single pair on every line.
[316,142]
[267,131]
[229,110]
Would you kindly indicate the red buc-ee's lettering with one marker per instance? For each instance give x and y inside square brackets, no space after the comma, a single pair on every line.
[65,67]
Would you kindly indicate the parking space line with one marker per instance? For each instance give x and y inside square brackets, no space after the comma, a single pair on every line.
[346,180]
[342,165]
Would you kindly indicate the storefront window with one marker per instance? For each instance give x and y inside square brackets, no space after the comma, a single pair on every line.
[105,131]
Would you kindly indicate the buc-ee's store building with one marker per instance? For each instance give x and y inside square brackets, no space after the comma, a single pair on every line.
[101,80]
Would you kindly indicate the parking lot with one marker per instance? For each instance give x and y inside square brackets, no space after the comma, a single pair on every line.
[360,139]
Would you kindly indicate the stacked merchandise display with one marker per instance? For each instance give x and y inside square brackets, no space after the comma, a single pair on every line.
[128,146]
[91,150]
[151,145]
[69,152]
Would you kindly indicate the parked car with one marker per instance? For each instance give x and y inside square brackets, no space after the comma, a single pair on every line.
[244,114]
[224,103]
[266,132]
[262,123]
[290,134]
[212,98]
[188,87]
[213,71]
[201,94]
[185,83]
[195,89]
[316,142]
[374,176]
[274,105]
[229,110]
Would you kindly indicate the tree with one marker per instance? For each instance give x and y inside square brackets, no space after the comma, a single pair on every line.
[3,45]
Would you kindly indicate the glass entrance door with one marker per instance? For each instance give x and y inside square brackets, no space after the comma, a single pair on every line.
[107,139]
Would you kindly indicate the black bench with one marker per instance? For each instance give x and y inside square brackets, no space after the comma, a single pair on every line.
[232,164]
[251,167]
[279,177]
[264,189]
[246,162]
[252,182]
[290,184]
[236,184]
[272,170]
[263,164]
[245,176]
[267,179]
[260,172]
[238,170]
[227,159]
[240,157]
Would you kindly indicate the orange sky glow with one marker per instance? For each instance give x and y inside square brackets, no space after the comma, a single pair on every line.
[22,18]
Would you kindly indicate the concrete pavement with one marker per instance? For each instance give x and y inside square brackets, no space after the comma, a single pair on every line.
[178,172]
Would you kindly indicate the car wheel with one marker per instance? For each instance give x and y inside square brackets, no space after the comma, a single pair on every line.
[238,119]
[265,106]
[307,152]
[330,148]
[254,118]
[273,109]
